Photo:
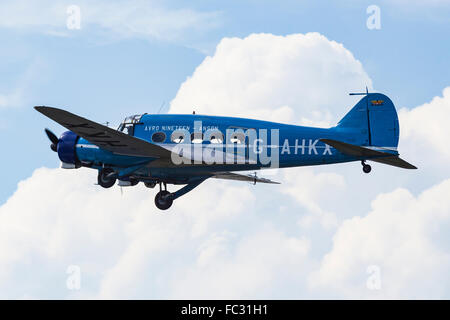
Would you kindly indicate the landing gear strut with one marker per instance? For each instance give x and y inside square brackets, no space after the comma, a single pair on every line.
[163,199]
[106,177]
[366,168]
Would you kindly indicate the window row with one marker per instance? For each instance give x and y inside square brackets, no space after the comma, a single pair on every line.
[197,137]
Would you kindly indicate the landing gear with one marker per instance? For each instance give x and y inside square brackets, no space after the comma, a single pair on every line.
[106,177]
[150,185]
[134,182]
[366,168]
[163,199]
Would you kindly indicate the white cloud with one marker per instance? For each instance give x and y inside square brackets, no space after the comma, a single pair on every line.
[127,248]
[252,267]
[425,131]
[274,78]
[310,195]
[230,239]
[119,19]
[59,216]
[402,235]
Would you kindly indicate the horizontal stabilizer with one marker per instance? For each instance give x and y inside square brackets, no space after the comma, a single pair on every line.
[242,177]
[370,154]
[396,162]
[353,150]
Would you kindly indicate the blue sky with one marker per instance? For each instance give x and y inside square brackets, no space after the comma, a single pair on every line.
[132,56]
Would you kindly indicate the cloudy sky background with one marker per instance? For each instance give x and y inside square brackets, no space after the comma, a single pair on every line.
[317,235]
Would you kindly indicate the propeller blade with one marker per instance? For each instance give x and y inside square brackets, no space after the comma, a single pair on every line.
[53,138]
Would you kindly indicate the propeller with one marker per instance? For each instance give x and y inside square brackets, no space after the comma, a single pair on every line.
[53,138]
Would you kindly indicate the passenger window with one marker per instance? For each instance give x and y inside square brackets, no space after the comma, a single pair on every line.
[177,137]
[237,138]
[197,137]
[158,137]
[216,137]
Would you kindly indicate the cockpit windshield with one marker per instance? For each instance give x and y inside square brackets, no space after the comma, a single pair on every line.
[127,125]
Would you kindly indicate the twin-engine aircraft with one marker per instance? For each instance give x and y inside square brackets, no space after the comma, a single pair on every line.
[188,149]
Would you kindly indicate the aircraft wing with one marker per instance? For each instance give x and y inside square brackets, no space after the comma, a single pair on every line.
[242,177]
[378,156]
[103,136]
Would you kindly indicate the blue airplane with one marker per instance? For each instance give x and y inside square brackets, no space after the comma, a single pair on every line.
[187,149]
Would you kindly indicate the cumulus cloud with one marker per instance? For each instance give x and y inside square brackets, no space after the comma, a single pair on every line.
[401,235]
[248,268]
[424,131]
[309,195]
[121,19]
[126,248]
[232,239]
[299,78]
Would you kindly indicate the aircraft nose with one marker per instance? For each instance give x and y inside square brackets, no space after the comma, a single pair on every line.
[66,147]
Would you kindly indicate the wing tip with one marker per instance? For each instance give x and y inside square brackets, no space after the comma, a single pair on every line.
[406,164]
[264,180]
[42,109]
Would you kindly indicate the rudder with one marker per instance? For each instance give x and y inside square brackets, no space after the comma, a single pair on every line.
[374,119]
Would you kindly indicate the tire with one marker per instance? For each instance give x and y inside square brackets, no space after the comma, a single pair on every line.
[367,168]
[163,200]
[103,180]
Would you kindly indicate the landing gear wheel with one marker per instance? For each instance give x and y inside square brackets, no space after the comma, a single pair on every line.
[163,200]
[134,182]
[104,180]
[150,184]
[367,168]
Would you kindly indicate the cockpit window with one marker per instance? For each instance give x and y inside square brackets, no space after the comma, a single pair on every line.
[128,128]
[127,125]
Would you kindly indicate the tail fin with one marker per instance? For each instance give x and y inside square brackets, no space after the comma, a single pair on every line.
[373,120]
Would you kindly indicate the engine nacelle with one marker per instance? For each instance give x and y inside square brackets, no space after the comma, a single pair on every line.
[66,148]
